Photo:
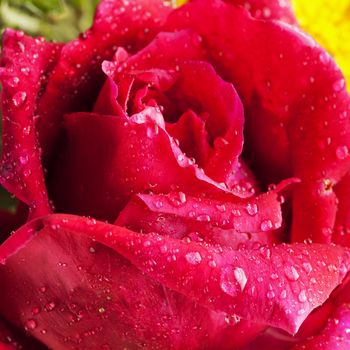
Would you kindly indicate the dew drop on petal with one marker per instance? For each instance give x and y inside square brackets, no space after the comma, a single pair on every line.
[342,152]
[241,277]
[302,296]
[339,85]
[193,258]
[252,209]
[266,225]
[31,324]
[291,273]
[283,294]
[19,98]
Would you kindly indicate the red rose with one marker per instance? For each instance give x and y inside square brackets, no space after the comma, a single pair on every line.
[167,163]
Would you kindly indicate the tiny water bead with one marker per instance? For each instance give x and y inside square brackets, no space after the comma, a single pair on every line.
[31,324]
[19,98]
[194,258]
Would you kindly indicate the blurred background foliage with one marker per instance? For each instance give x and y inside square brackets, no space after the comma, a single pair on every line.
[328,21]
[59,20]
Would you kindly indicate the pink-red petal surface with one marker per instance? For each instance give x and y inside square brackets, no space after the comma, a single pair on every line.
[86,296]
[106,159]
[25,63]
[336,334]
[288,121]
[77,78]
[278,285]
[268,9]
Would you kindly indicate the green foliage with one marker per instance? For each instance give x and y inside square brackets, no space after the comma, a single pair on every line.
[59,20]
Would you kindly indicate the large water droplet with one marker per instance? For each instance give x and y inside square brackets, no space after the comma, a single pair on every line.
[19,98]
[31,324]
[50,306]
[252,209]
[291,273]
[266,225]
[342,152]
[270,294]
[193,258]
[302,296]
[241,277]
[339,85]
[203,218]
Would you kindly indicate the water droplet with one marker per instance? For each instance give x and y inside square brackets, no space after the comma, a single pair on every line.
[252,209]
[152,130]
[50,306]
[35,310]
[291,273]
[270,294]
[92,250]
[13,82]
[274,276]
[339,85]
[212,263]
[194,258]
[177,199]
[23,159]
[31,324]
[241,277]
[19,98]
[283,294]
[221,208]
[203,218]
[302,296]
[307,267]
[342,152]
[266,225]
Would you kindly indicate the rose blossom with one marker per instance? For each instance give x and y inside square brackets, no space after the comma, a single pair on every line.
[182,177]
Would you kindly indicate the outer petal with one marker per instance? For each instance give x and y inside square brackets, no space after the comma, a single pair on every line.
[107,159]
[335,336]
[268,9]
[78,77]
[25,62]
[308,112]
[278,285]
[86,296]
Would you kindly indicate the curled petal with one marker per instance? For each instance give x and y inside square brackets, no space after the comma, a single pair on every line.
[288,123]
[86,296]
[78,77]
[278,285]
[336,334]
[106,159]
[25,62]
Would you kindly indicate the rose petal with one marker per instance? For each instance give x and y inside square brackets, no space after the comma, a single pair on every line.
[278,285]
[106,159]
[86,296]
[202,214]
[336,334]
[192,136]
[107,103]
[342,224]
[308,112]
[25,62]
[268,9]
[77,78]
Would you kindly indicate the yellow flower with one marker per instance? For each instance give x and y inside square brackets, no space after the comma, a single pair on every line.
[328,21]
